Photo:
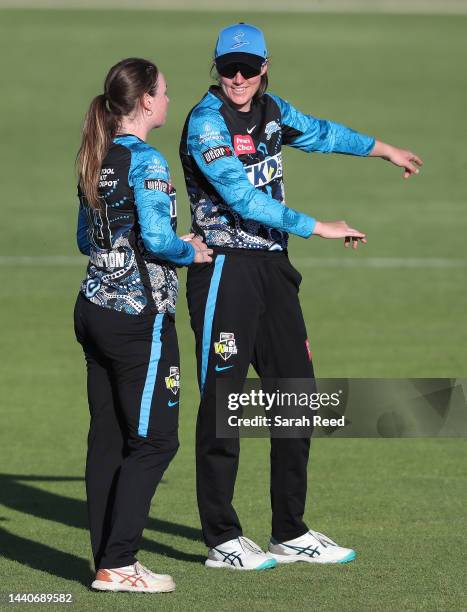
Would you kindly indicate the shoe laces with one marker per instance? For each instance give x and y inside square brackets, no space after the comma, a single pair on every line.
[323,539]
[141,569]
[249,545]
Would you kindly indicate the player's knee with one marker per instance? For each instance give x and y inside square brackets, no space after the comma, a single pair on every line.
[171,446]
[165,443]
[156,443]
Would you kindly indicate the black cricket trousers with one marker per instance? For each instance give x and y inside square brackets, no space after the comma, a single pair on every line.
[244,308]
[133,392]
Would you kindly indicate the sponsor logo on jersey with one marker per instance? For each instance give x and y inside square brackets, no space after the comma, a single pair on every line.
[214,153]
[265,171]
[209,133]
[157,185]
[219,368]
[271,128]
[106,178]
[226,346]
[156,166]
[243,144]
[172,381]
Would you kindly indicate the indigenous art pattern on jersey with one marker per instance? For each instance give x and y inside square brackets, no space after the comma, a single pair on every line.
[124,237]
[232,163]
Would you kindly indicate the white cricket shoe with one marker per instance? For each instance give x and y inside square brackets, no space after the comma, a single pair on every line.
[239,554]
[133,579]
[312,547]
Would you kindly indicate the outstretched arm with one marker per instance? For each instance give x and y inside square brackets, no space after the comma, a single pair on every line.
[314,135]
[310,134]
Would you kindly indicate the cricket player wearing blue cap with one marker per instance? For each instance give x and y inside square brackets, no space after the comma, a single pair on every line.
[244,306]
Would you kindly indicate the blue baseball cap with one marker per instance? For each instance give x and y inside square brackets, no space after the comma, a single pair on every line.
[241,43]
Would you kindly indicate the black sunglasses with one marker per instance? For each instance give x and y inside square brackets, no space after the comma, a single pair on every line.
[246,71]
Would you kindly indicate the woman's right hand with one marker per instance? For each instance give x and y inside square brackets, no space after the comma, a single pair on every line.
[202,251]
[339,229]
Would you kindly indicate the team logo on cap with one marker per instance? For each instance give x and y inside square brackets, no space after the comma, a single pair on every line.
[172,381]
[226,346]
[238,38]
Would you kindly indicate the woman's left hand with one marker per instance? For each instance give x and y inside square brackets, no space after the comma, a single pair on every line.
[407,160]
[399,157]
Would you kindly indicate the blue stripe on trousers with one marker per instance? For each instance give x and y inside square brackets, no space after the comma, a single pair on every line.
[209,316]
[151,377]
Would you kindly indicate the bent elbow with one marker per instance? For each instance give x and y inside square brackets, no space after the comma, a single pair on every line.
[84,247]
[159,244]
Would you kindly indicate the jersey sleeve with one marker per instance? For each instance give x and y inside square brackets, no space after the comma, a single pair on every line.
[149,177]
[209,143]
[82,236]
[310,134]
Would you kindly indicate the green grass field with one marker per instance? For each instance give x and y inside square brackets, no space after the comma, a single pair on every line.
[400,503]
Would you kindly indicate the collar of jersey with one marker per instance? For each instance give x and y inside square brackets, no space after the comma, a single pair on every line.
[216,91]
[126,135]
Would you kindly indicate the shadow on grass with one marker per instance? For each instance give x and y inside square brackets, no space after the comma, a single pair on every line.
[45,558]
[16,493]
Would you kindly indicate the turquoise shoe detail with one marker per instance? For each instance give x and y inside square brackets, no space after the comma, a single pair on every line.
[350,557]
[269,564]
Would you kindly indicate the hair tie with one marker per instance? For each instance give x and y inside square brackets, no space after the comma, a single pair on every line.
[106,102]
